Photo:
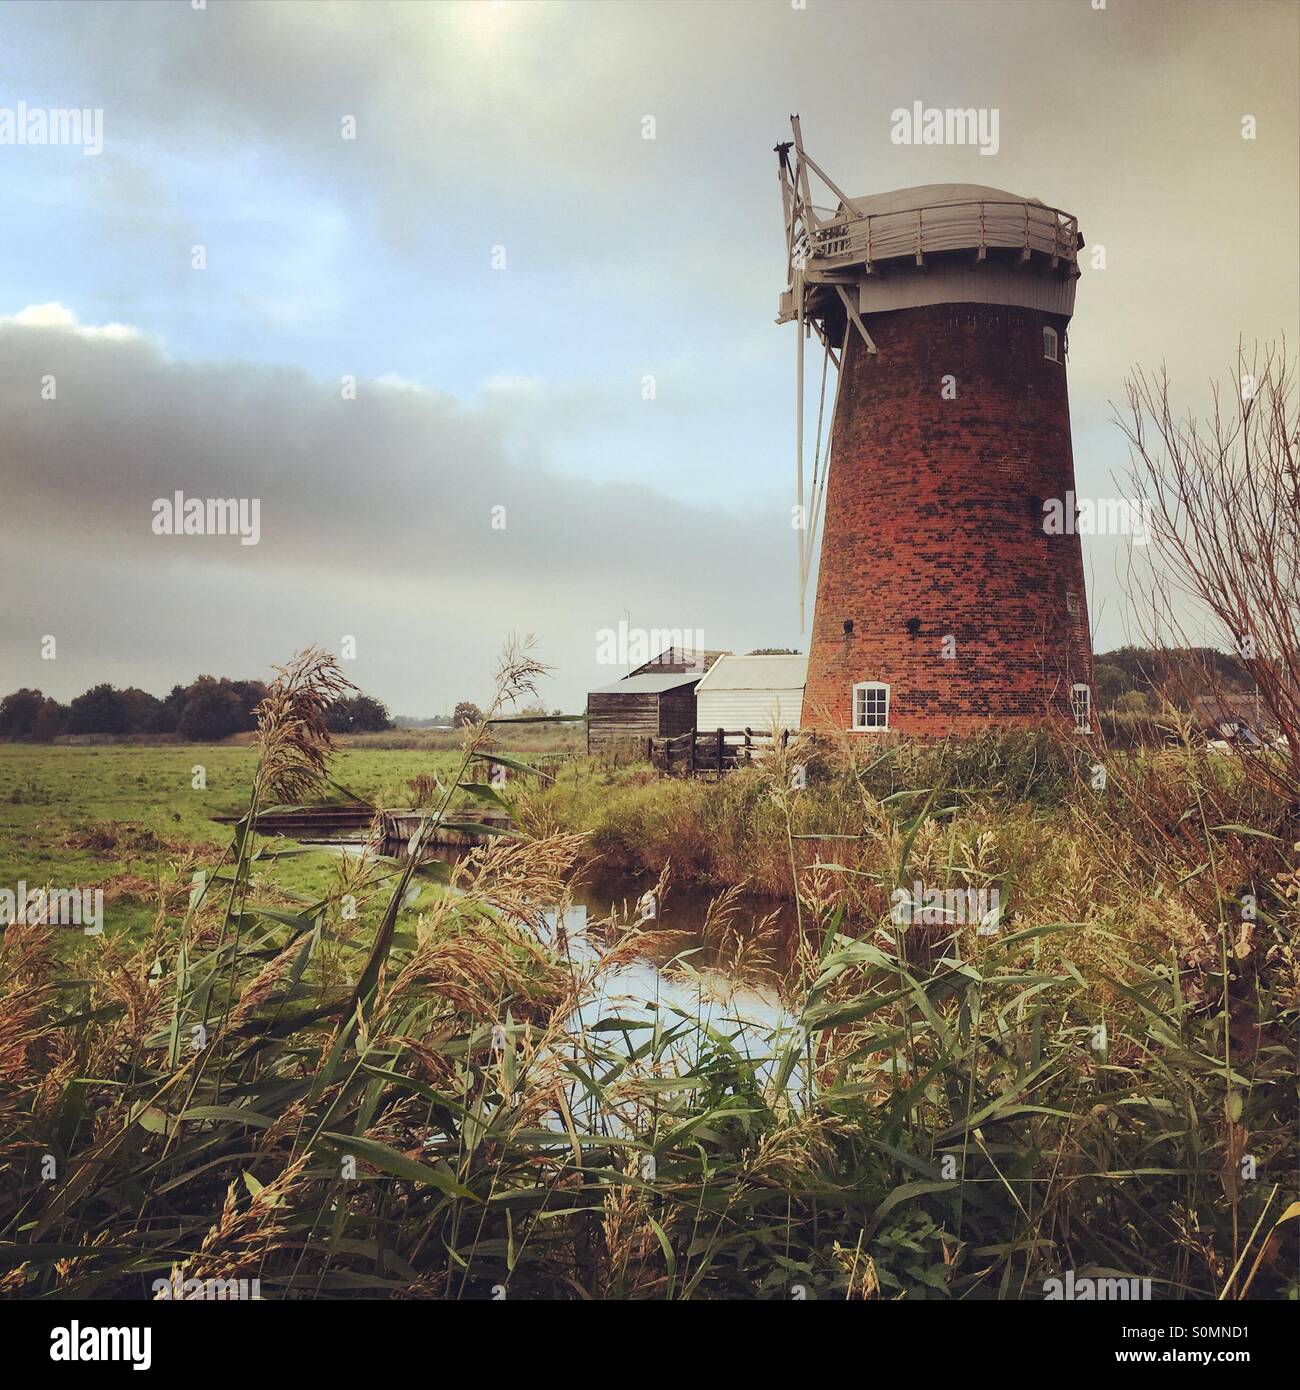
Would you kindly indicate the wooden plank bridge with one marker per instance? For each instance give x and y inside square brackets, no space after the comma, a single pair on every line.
[347,824]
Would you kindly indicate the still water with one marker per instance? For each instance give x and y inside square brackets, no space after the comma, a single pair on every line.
[682,976]
[688,977]
[722,984]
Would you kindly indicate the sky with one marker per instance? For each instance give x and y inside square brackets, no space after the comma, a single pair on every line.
[455,208]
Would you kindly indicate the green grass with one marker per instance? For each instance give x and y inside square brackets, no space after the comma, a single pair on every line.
[115,816]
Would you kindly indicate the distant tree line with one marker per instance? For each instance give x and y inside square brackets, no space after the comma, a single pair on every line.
[1137,678]
[206,710]
[467,712]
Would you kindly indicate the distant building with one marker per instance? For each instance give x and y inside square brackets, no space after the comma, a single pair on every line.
[755,692]
[655,700]
[1235,718]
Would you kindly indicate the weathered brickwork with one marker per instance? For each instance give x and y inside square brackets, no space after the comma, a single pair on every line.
[934,512]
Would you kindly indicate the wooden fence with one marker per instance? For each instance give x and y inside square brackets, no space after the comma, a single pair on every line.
[716,752]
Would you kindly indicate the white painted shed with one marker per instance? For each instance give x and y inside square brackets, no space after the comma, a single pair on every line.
[755,692]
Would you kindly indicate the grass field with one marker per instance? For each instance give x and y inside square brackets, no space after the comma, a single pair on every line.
[117,815]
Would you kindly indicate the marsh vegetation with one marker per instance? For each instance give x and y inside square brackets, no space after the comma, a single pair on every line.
[376,1075]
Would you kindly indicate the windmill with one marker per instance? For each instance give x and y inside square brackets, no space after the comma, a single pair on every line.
[943,603]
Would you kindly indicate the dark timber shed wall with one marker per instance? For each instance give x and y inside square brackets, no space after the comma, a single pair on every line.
[677,711]
[615,717]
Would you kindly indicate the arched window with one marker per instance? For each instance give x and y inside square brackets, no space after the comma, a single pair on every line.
[871,705]
[1081,704]
[1051,344]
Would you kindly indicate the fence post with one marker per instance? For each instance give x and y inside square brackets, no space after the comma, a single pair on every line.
[720,746]
[690,759]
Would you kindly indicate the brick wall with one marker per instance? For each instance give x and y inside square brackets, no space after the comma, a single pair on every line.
[934,512]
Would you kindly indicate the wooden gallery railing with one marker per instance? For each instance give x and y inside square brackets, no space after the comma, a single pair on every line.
[716,752]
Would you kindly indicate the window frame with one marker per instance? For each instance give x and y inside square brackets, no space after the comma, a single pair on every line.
[1055,354]
[866,687]
[1081,709]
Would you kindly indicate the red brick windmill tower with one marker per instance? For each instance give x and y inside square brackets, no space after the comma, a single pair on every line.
[943,604]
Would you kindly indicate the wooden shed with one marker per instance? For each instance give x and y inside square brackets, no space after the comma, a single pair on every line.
[656,700]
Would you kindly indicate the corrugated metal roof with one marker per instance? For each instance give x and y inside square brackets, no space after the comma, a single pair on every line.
[757,673]
[647,685]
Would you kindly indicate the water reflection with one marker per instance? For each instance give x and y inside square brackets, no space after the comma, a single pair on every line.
[706,989]
[679,981]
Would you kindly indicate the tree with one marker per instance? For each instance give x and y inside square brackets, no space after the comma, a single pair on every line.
[51,721]
[167,717]
[1224,491]
[251,694]
[1110,680]
[18,711]
[369,716]
[141,708]
[213,710]
[358,714]
[101,710]
[466,713]
[1135,702]
[1178,674]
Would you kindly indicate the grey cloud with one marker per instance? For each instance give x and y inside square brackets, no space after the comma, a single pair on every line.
[388,497]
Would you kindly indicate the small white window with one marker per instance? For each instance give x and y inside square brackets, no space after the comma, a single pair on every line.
[871,705]
[1051,344]
[1072,603]
[1081,704]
